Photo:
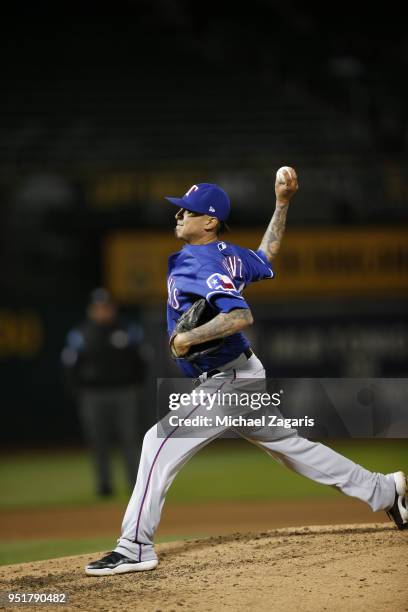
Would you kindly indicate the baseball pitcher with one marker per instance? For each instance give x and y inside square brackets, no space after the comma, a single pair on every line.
[207,314]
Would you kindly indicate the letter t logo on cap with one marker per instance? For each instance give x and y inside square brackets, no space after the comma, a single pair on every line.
[193,188]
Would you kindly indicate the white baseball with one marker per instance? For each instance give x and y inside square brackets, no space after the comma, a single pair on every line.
[280,175]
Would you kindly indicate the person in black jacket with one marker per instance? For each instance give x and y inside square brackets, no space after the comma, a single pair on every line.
[104,367]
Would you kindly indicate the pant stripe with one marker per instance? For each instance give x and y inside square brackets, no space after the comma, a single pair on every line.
[153,464]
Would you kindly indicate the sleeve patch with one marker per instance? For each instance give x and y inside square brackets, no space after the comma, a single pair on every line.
[220,282]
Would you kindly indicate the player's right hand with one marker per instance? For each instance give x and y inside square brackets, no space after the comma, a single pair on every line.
[286,184]
[178,346]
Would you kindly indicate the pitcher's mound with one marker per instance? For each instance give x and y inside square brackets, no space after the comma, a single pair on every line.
[347,567]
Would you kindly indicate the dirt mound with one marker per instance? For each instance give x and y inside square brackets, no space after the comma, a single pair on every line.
[356,567]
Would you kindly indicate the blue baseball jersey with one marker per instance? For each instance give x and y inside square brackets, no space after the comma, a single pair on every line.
[219,272]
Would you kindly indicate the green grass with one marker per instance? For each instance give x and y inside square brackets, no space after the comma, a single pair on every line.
[226,470]
[51,478]
[250,474]
[22,551]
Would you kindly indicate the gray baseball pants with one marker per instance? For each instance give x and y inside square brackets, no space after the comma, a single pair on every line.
[165,452]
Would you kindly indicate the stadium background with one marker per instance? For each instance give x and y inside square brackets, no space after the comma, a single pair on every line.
[105,112]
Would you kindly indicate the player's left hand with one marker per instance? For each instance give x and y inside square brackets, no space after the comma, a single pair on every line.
[179,346]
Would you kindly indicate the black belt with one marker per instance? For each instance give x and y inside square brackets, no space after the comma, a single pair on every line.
[248,353]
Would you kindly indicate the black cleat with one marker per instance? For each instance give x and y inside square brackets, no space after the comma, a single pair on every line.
[115,563]
[399,510]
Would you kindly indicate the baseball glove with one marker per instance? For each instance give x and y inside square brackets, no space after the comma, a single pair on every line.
[198,314]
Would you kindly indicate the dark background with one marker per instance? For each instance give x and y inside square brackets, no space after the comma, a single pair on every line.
[225,92]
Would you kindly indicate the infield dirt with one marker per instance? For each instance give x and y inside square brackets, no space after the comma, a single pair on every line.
[347,567]
[179,520]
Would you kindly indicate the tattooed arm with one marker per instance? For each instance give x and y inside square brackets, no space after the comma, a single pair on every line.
[286,186]
[224,324]
[271,241]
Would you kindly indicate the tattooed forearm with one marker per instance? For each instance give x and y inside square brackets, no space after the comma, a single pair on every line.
[224,324]
[273,236]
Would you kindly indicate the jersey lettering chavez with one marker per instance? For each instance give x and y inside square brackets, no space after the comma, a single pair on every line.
[219,272]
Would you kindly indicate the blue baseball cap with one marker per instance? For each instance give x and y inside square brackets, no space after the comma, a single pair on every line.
[205,198]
